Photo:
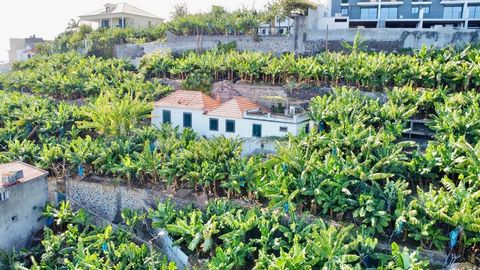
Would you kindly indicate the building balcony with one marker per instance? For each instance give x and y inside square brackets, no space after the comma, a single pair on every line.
[378,2]
[421,2]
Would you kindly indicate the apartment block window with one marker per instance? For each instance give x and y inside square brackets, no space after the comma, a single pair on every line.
[452,12]
[187,120]
[166,116]
[213,124]
[283,129]
[426,10]
[257,130]
[389,13]
[230,126]
[415,9]
[368,13]
[344,1]
[474,12]
[344,11]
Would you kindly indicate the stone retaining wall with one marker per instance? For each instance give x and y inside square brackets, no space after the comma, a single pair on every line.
[309,41]
[108,199]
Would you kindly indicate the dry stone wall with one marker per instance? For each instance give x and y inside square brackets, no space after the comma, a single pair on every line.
[108,199]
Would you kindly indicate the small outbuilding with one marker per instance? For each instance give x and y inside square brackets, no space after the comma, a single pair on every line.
[23,194]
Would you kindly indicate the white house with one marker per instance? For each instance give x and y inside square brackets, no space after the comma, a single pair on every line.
[120,15]
[235,118]
[23,194]
[281,26]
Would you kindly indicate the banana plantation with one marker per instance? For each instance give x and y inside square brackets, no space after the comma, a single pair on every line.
[73,242]
[354,167]
[452,69]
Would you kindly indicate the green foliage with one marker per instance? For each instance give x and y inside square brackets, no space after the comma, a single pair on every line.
[264,239]
[446,69]
[74,243]
[72,76]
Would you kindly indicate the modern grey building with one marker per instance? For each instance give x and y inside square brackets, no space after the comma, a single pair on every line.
[408,13]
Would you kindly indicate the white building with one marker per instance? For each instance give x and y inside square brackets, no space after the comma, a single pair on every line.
[321,18]
[235,118]
[23,194]
[280,27]
[23,48]
[120,15]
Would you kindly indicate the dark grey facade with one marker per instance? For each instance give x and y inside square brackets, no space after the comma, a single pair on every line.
[409,13]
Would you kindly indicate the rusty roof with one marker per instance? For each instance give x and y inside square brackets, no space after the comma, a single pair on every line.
[195,100]
[29,172]
[234,108]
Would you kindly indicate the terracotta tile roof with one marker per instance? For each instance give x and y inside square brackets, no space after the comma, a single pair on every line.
[29,172]
[195,100]
[234,108]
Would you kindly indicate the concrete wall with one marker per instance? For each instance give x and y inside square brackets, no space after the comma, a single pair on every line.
[309,41]
[20,214]
[387,39]
[179,44]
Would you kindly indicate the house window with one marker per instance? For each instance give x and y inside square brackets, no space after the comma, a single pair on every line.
[105,24]
[389,13]
[187,120]
[213,124]
[307,128]
[368,13]
[344,11]
[283,129]
[474,12]
[121,22]
[257,130]
[452,12]
[230,126]
[166,116]
[3,196]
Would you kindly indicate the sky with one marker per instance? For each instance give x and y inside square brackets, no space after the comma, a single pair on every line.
[48,18]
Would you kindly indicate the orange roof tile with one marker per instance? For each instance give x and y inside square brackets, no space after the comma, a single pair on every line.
[234,108]
[29,172]
[195,100]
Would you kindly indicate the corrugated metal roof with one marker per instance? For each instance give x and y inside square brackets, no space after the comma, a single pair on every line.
[234,108]
[194,100]
[29,172]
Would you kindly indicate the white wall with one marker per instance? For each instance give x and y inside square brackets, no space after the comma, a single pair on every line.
[25,202]
[243,127]
[130,21]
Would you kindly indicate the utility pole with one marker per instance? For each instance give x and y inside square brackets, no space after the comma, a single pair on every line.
[326,40]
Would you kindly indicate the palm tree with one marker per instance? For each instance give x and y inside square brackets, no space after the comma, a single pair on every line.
[73,25]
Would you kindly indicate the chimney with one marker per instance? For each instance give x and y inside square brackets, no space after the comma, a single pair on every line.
[218,98]
[11,177]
